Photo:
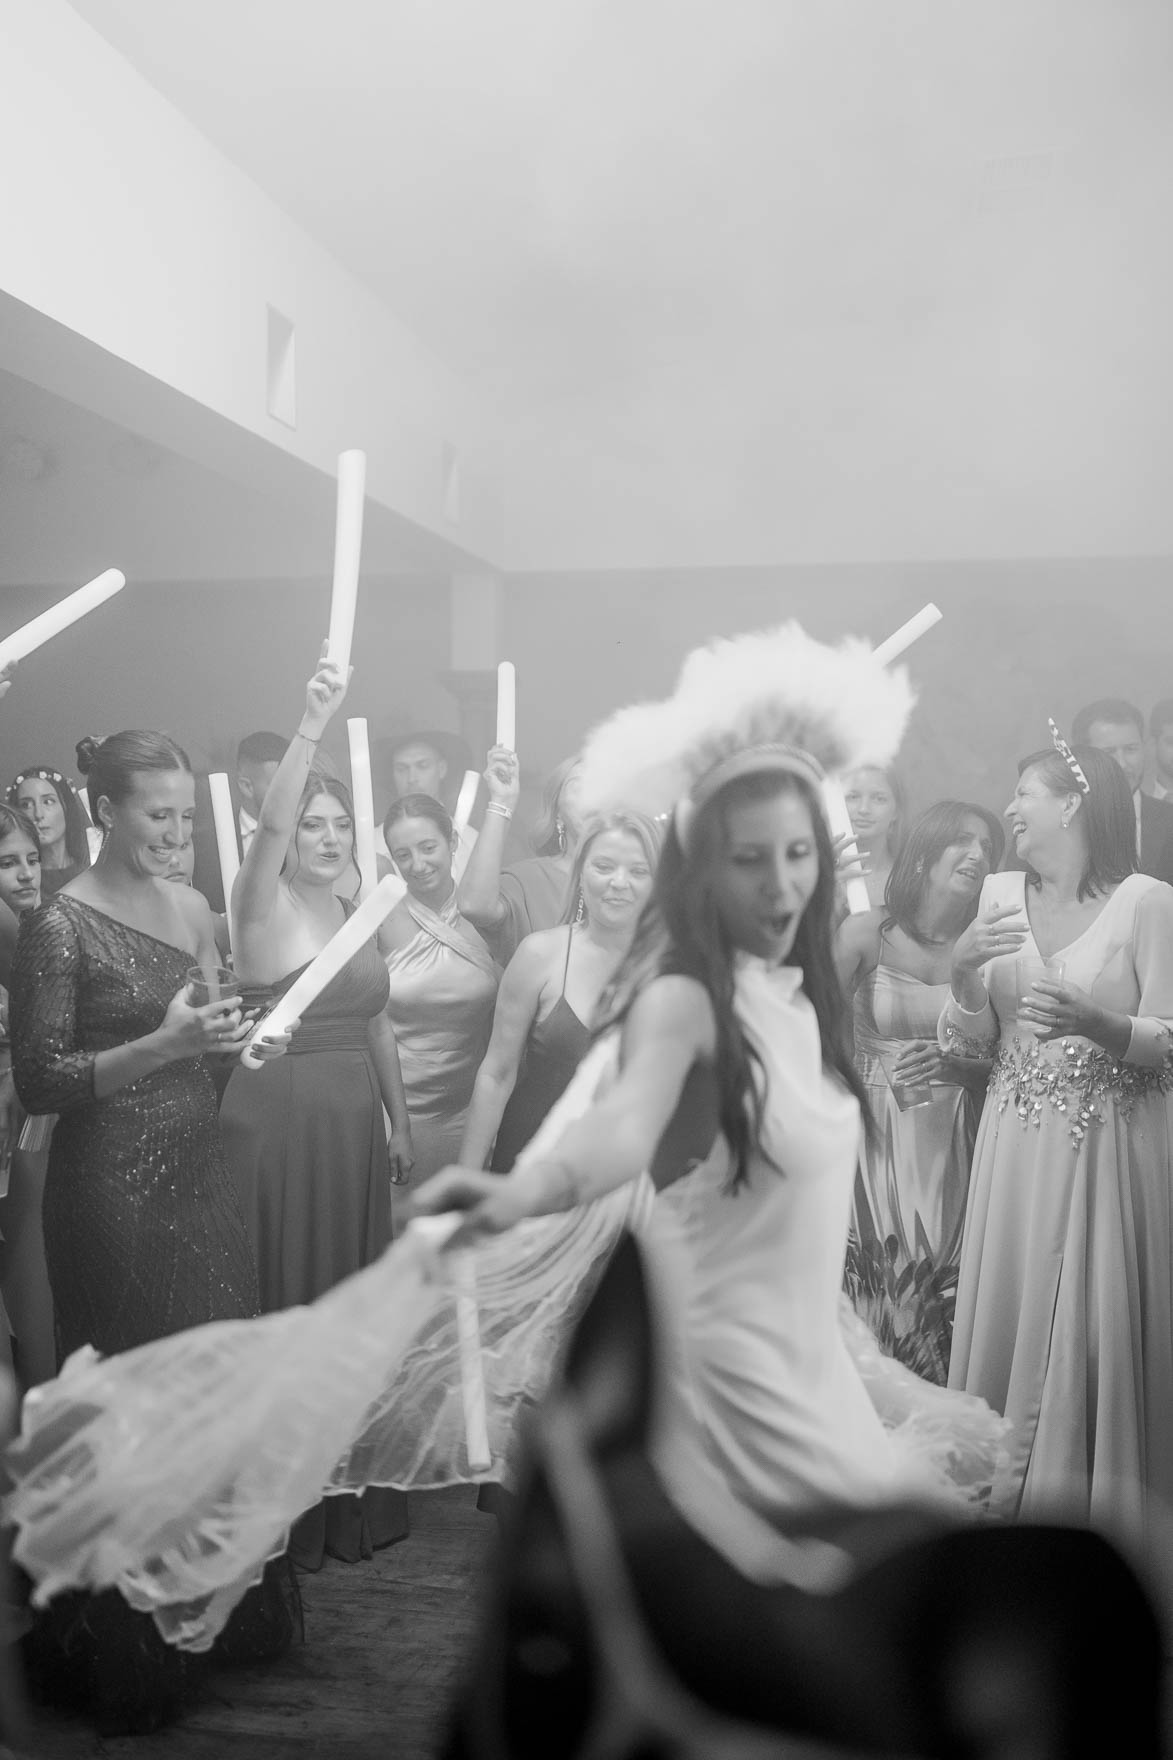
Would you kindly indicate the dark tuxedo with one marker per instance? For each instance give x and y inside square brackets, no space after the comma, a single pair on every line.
[1156,838]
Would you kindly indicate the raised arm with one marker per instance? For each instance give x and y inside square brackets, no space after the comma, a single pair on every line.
[254,895]
[515,1012]
[479,893]
[857,949]
[669,1029]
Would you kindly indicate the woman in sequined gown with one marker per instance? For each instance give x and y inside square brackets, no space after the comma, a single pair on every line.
[1065,1305]
[306,1138]
[143,1232]
[913,1176]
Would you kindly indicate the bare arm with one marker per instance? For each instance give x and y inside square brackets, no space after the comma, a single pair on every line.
[857,949]
[480,884]
[385,1057]
[513,1017]
[669,1029]
[254,894]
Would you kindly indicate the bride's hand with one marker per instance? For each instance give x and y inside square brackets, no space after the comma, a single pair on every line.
[488,1201]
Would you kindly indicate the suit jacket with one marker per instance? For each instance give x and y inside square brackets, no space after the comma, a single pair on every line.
[1156,838]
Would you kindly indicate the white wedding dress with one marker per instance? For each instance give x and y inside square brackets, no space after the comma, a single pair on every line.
[173,1471]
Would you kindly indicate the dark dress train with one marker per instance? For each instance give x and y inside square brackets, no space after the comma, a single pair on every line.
[143,1237]
[306,1141]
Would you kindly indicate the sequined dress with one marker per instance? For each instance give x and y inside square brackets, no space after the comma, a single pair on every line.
[143,1237]
[1064,1314]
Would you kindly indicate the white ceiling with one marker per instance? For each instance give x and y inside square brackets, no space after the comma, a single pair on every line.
[718,246]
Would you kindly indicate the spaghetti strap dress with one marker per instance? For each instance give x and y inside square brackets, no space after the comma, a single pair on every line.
[556,1046]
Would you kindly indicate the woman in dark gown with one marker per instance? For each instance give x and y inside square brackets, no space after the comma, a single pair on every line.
[143,1232]
[306,1138]
[541,1026]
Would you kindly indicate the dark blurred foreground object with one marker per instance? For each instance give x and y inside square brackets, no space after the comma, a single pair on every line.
[613,1632]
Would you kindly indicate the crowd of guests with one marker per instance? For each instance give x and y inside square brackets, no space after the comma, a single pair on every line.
[1011,1223]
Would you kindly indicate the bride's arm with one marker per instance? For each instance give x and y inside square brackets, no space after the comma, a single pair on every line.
[669,1027]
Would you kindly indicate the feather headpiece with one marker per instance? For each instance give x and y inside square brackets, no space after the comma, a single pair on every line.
[774,699]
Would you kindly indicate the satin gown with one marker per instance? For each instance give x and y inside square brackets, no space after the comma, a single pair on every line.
[443,986]
[307,1146]
[913,1179]
[1065,1302]
[143,1237]
[554,1049]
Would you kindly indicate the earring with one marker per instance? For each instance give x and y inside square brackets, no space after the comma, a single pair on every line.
[560,830]
[580,913]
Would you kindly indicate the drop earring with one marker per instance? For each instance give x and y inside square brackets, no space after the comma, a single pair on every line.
[560,832]
[580,913]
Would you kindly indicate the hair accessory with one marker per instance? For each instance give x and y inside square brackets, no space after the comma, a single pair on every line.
[773,700]
[1068,757]
[43,772]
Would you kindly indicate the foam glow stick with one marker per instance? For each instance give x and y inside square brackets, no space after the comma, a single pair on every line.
[908,633]
[58,617]
[472,1366]
[839,821]
[342,946]
[466,800]
[507,706]
[352,484]
[435,1231]
[224,819]
[364,807]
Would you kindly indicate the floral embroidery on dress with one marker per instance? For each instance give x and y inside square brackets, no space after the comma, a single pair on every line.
[962,1045]
[1076,1083]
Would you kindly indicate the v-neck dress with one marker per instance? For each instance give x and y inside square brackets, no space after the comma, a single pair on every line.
[1064,1316]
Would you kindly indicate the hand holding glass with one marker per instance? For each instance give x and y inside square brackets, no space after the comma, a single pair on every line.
[1027,971]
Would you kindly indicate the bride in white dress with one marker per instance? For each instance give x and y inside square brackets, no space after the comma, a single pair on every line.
[720,1082]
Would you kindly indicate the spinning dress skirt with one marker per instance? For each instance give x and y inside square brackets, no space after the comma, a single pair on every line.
[306,1142]
[912,1182]
[143,1236]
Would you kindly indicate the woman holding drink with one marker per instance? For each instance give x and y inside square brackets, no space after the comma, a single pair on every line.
[1064,1314]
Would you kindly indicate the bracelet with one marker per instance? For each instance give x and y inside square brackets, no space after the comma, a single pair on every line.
[501,812]
[307,738]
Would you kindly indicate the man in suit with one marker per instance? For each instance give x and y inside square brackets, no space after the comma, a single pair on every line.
[1116,726]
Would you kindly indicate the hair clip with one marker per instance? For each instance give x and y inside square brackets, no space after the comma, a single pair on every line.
[1069,757]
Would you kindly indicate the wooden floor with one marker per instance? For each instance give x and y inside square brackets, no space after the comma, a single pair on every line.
[383,1643]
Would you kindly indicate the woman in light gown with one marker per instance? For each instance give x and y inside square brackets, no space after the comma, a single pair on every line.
[914,1171]
[722,1072]
[1065,1303]
[443,982]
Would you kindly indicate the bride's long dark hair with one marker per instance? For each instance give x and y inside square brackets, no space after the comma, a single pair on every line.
[680,931]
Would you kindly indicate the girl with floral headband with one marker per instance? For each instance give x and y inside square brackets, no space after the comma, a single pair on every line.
[48,798]
[1064,1316]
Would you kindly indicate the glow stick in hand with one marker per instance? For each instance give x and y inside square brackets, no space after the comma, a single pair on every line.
[839,821]
[364,807]
[507,706]
[352,484]
[466,800]
[472,1365]
[224,819]
[58,617]
[907,634]
[342,946]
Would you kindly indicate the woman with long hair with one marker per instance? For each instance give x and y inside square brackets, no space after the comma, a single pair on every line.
[914,1170]
[47,797]
[508,905]
[143,1232]
[552,985]
[1065,1300]
[718,1112]
[306,1139]
[443,982]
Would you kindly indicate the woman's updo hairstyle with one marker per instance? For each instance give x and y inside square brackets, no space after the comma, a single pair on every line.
[110,765]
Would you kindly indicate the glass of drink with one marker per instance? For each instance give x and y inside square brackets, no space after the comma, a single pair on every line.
[1028,969]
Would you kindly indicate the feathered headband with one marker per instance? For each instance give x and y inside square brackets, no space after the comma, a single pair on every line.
[773,700]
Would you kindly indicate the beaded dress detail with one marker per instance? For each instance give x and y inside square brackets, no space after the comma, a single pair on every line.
[143,1231]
